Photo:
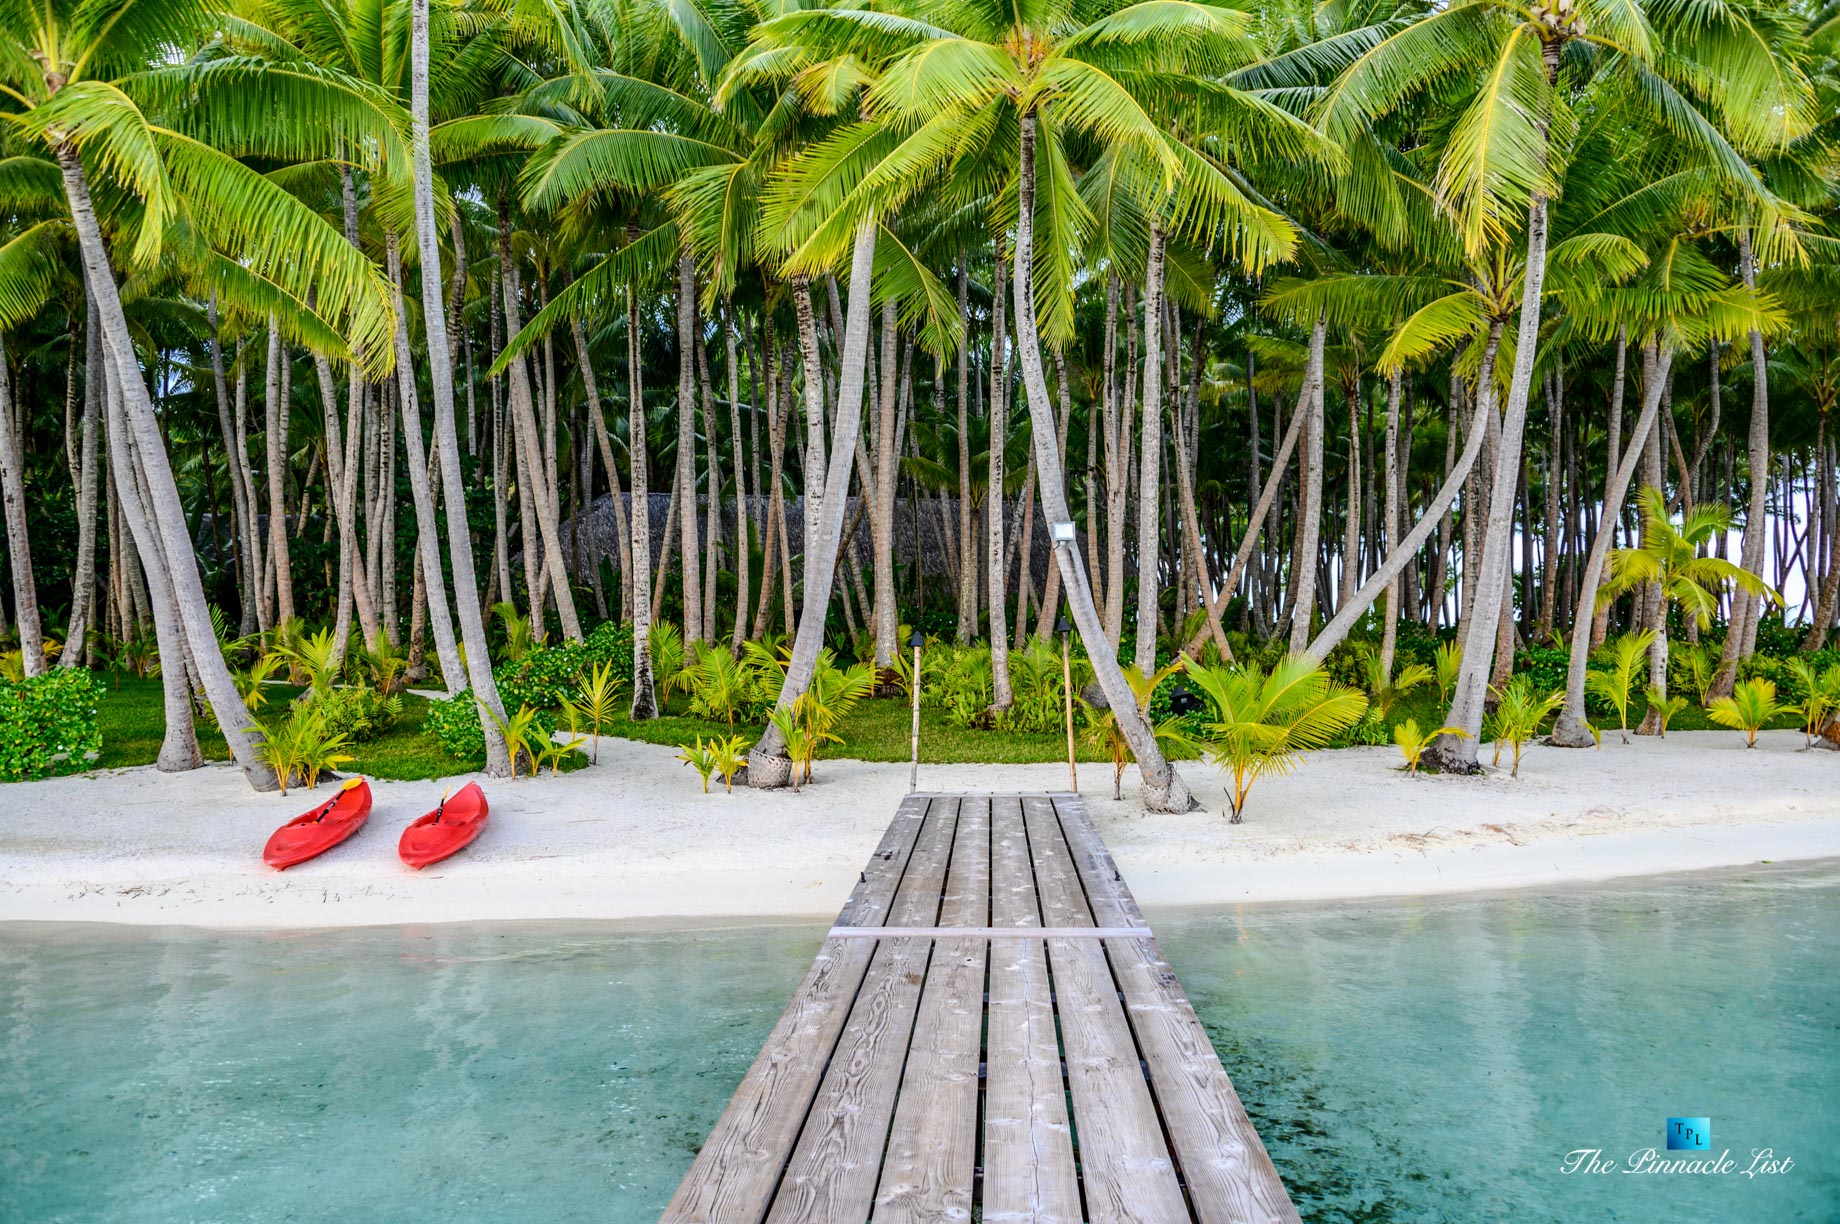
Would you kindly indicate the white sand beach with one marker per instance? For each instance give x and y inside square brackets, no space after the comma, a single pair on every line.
[633,837]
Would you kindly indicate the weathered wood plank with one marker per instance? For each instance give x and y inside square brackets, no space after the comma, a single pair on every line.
[1029,1172]
[1125,1164]
[928,1172]
[1230,1176]
[832,1173]
[733,1177]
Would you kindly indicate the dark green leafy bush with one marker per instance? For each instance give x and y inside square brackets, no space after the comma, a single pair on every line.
[48,725]
[613,644]
[454,723]
[544,676]
[1545,665]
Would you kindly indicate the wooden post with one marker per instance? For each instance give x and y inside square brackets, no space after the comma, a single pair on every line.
[913,774]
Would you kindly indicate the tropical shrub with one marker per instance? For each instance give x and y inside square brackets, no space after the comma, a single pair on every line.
[1822,699]
[542,677]
[358,714]
[1749,709]
[300,747]
[613,644]
[455,725]
[1546,666]
[1263,720]
[596,702]
[1385,691]
[48,724]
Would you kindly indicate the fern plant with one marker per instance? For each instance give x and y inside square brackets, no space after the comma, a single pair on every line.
[1749,709]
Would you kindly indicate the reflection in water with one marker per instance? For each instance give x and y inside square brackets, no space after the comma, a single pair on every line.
[1405,1060]
[1434,1060]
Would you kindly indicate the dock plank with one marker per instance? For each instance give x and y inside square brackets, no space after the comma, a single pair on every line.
[1029,1172]
[929,1170]
[734,1175]
[1125,1165]
[1230,1175]
[832,1174]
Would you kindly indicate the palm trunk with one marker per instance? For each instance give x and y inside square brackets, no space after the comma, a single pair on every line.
[967,573]
[1117,464]
[167,512]
[276,438]
[1309,510]
[1051,595]
[1162,787]
[1389,625]
[813,467]
[83,586]
[995,556]
[712,481]
[1746,608]
[603,443]
[541,493]
[1572,730]
[1450,753]
[686,449]
[478,664]
[767,764]
[881,524]
[743,557]
[1150,457]
[645,694]
[18,544]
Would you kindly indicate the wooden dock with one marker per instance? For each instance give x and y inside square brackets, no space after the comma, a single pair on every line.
[989,1033]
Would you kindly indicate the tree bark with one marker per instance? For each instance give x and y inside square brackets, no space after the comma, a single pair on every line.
[18,543]
[995,554]
[686,450]
[645,693]
[1150,457]
[1309,509]
[1746,608]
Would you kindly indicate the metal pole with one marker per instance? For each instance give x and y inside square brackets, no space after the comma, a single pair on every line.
[1073,772]
[913,775]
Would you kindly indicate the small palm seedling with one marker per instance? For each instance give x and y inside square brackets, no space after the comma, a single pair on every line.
[301,746]
[1821,700]
[1384,690]
[385,662]
[1104,733]
[801,747]
[1413,742]
[316,656]
[1446,663]
[730,754]
[518,636]
[596,702]
[554,753]
[667,658]
[1612,686]
[1263,721]
[1750,707]
[719,685]
[1519,711]
[700,758]
[252,681]
[1663,707]
[523,736]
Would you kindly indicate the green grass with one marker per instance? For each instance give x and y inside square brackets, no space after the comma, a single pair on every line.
[132,717]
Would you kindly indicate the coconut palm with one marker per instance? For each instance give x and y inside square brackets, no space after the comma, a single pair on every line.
[1669,560]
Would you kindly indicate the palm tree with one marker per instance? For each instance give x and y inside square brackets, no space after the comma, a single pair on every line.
[1669,559]
[67,67]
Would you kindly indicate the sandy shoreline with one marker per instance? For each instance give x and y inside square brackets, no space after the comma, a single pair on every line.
[633,837]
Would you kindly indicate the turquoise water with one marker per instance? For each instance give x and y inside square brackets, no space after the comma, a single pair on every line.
[1405,1061]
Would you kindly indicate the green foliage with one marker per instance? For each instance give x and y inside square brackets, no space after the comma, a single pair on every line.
[553,752]
[1104,732]
[48,724]
[300,747]
[358,714]
[385,663]
[1519,710]
[1750,707]
[667,658]
[612,643]
[1663,706]
[730,752]
[527,737]
[252,681]
[1038,694]
[542,677]
[1412,742]
[701,759]
[1612,685]
[1545,666]
[315,656]
[719,684]
[1385,691]
[520,639]
[1691,667]
[1263,721]
[597,702]
[1821,697]
[1445,664]
[455,725]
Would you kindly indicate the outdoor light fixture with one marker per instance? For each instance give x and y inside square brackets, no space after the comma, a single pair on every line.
[1062,533]
[1181,701]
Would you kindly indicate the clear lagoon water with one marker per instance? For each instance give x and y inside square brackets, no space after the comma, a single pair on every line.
[1421,1060]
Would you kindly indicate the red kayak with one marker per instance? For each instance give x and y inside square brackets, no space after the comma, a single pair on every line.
[447,830]
[320,830]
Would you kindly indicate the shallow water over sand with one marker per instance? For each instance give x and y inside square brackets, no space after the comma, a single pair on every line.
[1405,1060]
